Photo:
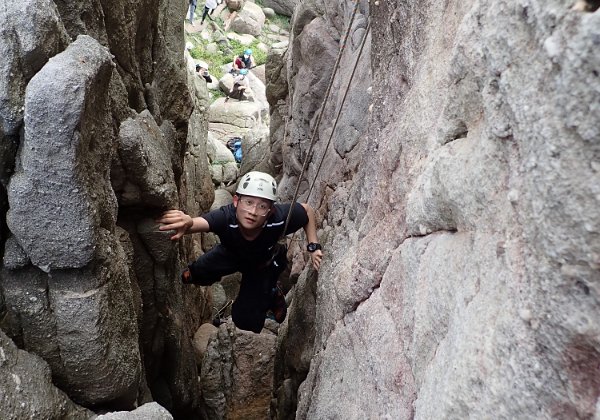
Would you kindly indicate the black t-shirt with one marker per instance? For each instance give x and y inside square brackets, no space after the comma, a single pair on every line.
[224,223]
[247,61]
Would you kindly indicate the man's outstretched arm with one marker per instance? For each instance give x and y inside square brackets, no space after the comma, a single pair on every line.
[310,229]
[182,223]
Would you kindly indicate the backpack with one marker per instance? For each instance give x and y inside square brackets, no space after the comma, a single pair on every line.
[235,145]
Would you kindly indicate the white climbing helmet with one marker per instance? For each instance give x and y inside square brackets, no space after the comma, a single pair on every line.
[258,184]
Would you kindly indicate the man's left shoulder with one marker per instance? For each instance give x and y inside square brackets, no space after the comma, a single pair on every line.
[297,209]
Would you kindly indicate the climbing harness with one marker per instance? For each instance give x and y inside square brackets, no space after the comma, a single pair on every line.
[217,318]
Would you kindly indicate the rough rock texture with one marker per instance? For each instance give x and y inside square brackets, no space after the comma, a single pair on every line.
[61,180]
[249,20]
[27,389]
[283,7]
[148,177]
[149,411]
[461,277]
[51,177]
[276,93]
[235,4]
[96,295]
[237,374]
[25,49]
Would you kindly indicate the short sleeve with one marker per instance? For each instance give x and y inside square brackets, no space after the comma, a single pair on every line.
[217,220]
[298,219]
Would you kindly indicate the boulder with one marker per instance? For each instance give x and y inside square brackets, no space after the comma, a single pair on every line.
[259,72]
[241,114]
[31,32]
[235,5]
[222,198]
[282,7]
[27,388]
[237,373]
[146,161]
[230,173]
[249,20]
[242,38]
[216,173]
[63,179]
[148,411]
[255,151]
[202,336]
[269,13]
[218,153]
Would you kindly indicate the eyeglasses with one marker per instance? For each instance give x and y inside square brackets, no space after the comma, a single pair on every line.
[260,208]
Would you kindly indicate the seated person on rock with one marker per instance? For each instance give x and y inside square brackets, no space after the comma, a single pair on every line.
[249,230]
[243,61]
[202,71]
[240,86]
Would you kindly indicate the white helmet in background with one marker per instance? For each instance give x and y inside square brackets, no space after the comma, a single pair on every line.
[258,184]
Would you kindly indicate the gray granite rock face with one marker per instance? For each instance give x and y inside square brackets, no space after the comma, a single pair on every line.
[26,47]
[62,214]
[30,33]
[461,270]
[58,179]
[283,7]
[148,411]
[237,373]
[249,20]
[146,164]
[27,389]
[90,292]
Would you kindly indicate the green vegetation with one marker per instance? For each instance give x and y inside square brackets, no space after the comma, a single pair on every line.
[282,21]
[226,52]
[215,60]
[216,94]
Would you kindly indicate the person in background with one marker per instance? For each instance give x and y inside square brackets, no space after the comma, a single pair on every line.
[209,8]
[202,71]
[192,10]
[240,86]
[243,61]
[249,230]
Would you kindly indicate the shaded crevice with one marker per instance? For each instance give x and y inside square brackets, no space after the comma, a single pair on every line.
[433,232]
[458,130]
[371,290]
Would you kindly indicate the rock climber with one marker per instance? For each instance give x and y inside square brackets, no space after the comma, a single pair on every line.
[249,230]
[240,86]
[243,61]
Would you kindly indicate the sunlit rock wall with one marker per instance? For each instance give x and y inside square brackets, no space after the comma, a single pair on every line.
[461,277]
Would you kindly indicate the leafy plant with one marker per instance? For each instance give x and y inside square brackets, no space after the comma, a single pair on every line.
[282,21]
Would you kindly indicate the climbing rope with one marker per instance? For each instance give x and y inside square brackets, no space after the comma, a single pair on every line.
[337,117]
[320,114]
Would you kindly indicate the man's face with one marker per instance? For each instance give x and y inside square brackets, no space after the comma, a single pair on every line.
[251,212]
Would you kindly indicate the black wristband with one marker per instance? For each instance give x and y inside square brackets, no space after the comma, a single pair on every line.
[313,246]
